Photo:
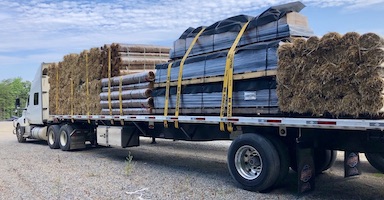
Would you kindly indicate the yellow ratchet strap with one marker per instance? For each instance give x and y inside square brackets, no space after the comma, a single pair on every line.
[180,77]
[57,90]
[109,83]
[227,94]
[121,98]
[167,88]
[87,84]
[72,97]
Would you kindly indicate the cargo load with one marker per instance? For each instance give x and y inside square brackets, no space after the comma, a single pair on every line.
[254,63]
[76,82]
[340,75]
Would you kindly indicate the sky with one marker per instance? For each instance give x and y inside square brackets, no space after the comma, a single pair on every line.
[36,31]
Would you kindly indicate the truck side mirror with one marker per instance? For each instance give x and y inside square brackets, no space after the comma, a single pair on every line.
[17,103]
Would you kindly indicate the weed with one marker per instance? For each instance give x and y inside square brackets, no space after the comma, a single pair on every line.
[379,175]
[129,164]
[91,174]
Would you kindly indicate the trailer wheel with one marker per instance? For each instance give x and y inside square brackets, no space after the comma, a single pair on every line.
[324,159]
[282,151]
[53,136]
[65,137]
[376,160]
[253,162]
[19,134]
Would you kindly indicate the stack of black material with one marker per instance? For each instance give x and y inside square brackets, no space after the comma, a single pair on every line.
[256,52]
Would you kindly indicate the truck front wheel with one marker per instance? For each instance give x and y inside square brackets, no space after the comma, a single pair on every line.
[53,136]
[253,162]
[19,134]
[65,137]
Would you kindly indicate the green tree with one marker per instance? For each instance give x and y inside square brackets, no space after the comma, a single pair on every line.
[10,89]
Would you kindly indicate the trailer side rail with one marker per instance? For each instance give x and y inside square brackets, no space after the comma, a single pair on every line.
[344,124]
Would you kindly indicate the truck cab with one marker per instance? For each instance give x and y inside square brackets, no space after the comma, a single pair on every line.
[32,122]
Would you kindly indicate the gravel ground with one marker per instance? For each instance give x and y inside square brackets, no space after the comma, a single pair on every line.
[167,170]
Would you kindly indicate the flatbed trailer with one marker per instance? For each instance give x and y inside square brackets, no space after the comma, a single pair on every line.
[262,151]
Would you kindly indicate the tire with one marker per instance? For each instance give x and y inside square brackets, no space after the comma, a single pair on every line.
[65,137]
[253,162]
[323,158]
[282,151]
[376,160]
[19,134]
[53,136]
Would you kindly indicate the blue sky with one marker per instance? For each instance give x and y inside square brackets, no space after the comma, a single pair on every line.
[38,31]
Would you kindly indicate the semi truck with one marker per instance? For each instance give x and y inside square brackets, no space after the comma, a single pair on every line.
[262,151]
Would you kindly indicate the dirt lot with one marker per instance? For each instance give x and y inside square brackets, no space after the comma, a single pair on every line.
[167,170]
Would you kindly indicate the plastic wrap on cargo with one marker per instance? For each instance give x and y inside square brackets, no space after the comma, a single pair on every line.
[272,24]
[251,58]
[261,98]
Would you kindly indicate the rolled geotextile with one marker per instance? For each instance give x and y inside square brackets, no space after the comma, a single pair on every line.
[128,111]
[130,79]
[131,103]
[127,94]
[341,75]
[146,85]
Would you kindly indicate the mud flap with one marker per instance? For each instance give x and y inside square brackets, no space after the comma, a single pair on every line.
[305,169]
[77,138]
[351,164]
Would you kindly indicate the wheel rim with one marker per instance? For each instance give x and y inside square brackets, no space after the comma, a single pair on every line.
[248,162]
[51,137]
[63,138]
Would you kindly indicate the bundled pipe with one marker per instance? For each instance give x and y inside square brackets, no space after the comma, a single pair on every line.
[127,94]
[146,85]
[130,79]
[131,103]
[141,48]
[129,100]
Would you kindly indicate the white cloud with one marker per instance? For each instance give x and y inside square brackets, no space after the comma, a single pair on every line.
[60,27]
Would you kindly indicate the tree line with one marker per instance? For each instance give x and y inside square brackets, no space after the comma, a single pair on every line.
[10,89]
